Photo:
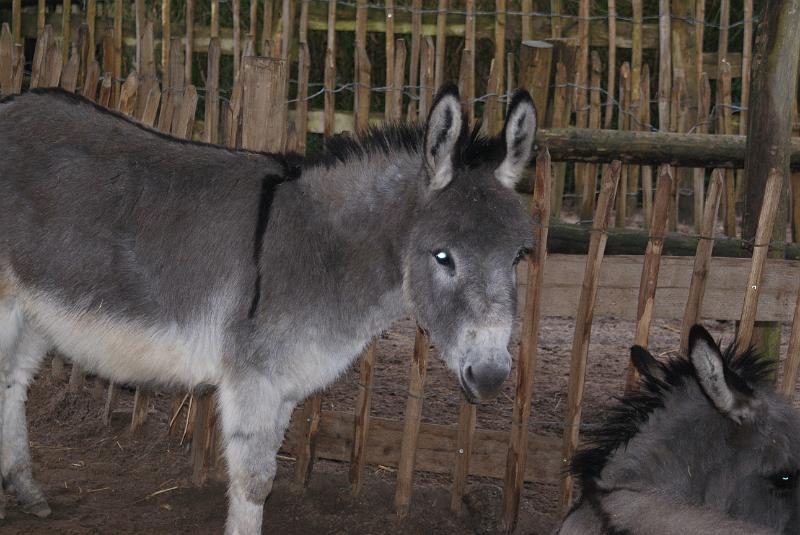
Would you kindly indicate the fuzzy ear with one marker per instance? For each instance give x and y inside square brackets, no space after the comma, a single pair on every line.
[726,390]
[441,136]
[519,133]
[646,364]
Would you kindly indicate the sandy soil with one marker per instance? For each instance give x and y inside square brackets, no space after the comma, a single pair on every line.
[103,480]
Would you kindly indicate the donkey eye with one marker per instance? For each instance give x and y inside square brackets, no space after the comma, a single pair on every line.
[443,258]
[784,481]
[522,253]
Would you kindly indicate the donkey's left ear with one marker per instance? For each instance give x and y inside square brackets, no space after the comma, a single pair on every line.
[441,136]
[729,393]
[646,364]
[519,133]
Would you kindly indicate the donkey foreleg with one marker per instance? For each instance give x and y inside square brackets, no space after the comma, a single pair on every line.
[254,419]
[18,369]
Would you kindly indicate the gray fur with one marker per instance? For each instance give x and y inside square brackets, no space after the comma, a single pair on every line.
[694,466]
[133,254]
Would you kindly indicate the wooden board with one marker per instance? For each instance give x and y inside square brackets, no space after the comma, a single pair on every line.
[620,278]
[435,446]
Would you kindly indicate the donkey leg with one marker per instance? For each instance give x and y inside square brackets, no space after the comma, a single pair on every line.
[10,327]
[15,455]
[254,419]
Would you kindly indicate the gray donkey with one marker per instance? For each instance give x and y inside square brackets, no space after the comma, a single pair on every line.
[146,259]
[706,446]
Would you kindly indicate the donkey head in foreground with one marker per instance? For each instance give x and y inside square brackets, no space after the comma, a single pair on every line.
[469,232]
[705,446]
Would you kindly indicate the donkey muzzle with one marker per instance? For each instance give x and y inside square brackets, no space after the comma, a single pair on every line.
[482,381]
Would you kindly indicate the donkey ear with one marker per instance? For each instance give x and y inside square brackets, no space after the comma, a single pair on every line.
[646,364]
[519,133]
[441,136]
[726,390]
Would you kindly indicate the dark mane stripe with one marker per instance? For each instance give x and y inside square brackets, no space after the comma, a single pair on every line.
[626,418]
[473,147]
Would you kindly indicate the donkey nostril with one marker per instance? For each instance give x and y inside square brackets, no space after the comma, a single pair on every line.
[468,375]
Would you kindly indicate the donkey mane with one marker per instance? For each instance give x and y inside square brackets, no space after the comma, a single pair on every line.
[634,408]
[473,147]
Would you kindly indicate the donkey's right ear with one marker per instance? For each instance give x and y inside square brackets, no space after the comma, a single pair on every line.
[441,136]
[646,364]
[726,390]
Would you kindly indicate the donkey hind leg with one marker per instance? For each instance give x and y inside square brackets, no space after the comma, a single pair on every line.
[21,352]
[254,419]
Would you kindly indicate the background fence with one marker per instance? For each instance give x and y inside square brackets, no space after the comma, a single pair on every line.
[191,69]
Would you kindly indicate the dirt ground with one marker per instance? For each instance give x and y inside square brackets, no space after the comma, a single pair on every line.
[103,480]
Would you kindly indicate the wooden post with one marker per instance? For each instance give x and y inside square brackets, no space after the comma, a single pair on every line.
[189,40]
[41,12]
[237,35]
[413,75]
[766,222]
[358,455]
[306,455]
[398,79]
[463,450]
[702,260]
[647,171]
[204,438]
[253,31]
[390,98]
[467,72]
[408,448]
[560,107]
[612,63]
[528,349]
[624,122]
[118,10]
[363,70]
[774,86]
[581,96]
[789,380]
[266,35]
[264,103]
[166,30]
[590,170]
[330,71]
[703,117]
[426,77]
[535,66]
[650,267]
[583,326]
[66,29]
[555,18]
[301,108]
[441,41]
[6,61]
[211,124]
[664,65]
[141,402]
[725,126]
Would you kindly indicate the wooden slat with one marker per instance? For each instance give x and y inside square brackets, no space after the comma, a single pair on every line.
[253,30]
[307,445]
[467,72]
[647,171]
[118,12]
[516,459]
[702,260]
[66,29]
[6,60]
[263,103]
[363,70]
[166,30]
[237,35]
[583,325]
[398,79]
[388,109]
[590,170]
[535,67]
[189,40]
[211,123]
[463,451]
[141,403]
[69,75]
[426,77]
[766,221]
[183,118]
[330,71]
[301,108]
[19,68]
[582,96]
[792,364]
[106,90]
[441,40]
[664,65]
[413,76]
[434,447]
[358,458]
[151,105]
[204,438]
[650,267]
[89,89]
[623,123]
[612,63]
[411,424]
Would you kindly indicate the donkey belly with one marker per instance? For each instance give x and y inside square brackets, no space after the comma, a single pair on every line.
[129,350]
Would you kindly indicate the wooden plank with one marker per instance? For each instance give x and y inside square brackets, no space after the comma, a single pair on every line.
[264,103]
[391,98]
[517,456]
[725,126]
[39,62]
[287,25]
[560,111]
[118,12]
[467,72]
[69,75]
[267,30]
[111,402]
[151,105]
[698,179]
[127,98]
[434,447]
[140,17]
[441,42]
[413,75]
[582,98]
[702,260]
[426,77]
[189,40]
[583,326]
[590,170]
[19,68]
[301,108]
[166,30]
[555,18]
[647,171]
[66,29]
[398,79]
[623,123]
[664,65]
[211,123]
[91,15]
[204,438]
[535,67]
[237,35]
[214,27]
[411,424]
[463,451]
[612,63]
[89,89]
[650,268]
[16,21]
[358,458]
[305,451]
[253,29]
[792,364]
[141,403]
[106,90]
[527,9]
[183,118]
[330,71]
[6,60]
[766,221]
[363,70]
[41,10]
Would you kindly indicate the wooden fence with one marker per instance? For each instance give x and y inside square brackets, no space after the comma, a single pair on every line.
[685,288]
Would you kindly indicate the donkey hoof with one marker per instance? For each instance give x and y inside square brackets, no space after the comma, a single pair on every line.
[40,509]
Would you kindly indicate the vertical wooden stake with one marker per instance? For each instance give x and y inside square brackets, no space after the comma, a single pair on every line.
[358,455]
[408,448]
[141,402]
[330,72]
[789,380]
[650,267]
[702,260]
[301,108]
[306,455]
[398,79]
[413,76]
[390,98]
[664,64]
[189,41]
[612,63]
[583,325]
[517,457]
[463,451]
[441,41]
[211,125]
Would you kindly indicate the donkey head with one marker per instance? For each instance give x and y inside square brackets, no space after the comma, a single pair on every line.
[469,232]
[724,438]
